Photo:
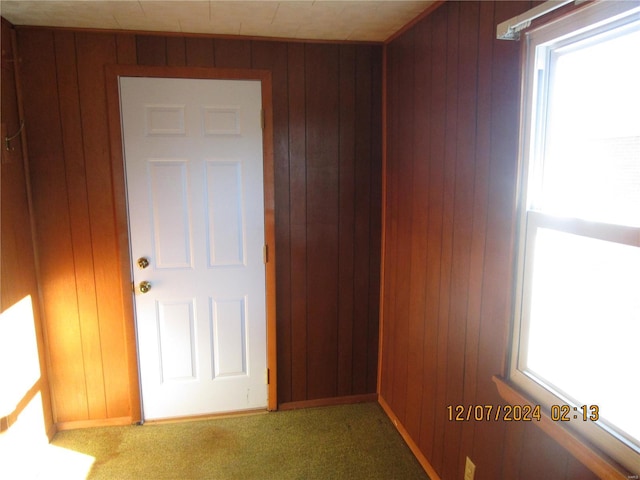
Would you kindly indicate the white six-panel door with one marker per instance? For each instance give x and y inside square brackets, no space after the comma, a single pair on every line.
[193,157]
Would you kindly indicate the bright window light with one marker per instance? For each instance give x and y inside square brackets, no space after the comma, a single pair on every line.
[579,283]
[577,309]
[590,167]
[19,361]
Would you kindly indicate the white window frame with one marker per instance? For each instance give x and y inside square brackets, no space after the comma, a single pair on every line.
[580,24]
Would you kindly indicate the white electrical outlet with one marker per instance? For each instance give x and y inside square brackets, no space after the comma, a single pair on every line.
[469,469]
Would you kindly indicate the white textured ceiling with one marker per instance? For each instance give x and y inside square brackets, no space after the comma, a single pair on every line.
[356,20]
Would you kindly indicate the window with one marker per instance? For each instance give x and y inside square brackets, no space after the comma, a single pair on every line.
[577,331]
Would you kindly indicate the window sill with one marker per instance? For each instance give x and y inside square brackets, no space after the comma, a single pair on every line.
[599,463]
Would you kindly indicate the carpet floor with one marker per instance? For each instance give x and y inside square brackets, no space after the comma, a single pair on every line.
[348,442]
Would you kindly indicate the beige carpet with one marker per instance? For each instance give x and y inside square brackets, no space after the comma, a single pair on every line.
[343,442]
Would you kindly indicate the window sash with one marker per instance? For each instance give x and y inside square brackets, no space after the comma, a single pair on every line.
[580,24]
[623,234]
[602,435]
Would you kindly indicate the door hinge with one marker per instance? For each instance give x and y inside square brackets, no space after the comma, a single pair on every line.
[262,119]
[266,376]
[265,253]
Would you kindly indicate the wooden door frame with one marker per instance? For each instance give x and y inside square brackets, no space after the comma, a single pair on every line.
[113,74]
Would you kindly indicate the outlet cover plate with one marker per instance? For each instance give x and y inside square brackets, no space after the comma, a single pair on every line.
[469,469]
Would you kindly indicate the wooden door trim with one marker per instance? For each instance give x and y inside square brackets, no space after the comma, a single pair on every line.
[113,73]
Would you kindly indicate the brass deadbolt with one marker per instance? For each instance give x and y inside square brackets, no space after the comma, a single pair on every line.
[143,262]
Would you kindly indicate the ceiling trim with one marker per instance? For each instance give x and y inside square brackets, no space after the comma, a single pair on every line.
[149,33]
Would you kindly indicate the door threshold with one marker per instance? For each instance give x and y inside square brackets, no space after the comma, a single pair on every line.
[208,416]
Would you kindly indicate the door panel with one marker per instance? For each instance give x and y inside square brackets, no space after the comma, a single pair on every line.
[229,338]
[170,212]
[193,157]
[226,216]
[176,335]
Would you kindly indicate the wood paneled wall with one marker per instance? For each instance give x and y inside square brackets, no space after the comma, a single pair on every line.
[327,149]
[18,271]
[452,134]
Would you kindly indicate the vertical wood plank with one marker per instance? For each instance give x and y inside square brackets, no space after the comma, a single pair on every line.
[93,52]
[176,52]
[399,159]
[375,220]
[451,99]
[391,192]
[321,90]
[465,111]
[17,254]
[404,137]
[362,216]
[50,201]
[346,218]
[577,471]
[419,232]
[273,56]
[199,52]
[76,174]
[432,411]
[298,215]
[126,45]
[151,50]
[122,256]
[486,34]
[513,449]
[537,446]
[232,53]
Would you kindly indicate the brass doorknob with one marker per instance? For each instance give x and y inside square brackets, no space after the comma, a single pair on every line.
[143,262]
[145,286]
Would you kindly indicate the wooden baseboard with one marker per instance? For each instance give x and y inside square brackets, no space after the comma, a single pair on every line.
[409,441]
[51,431]
[103,422]
[331,401]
